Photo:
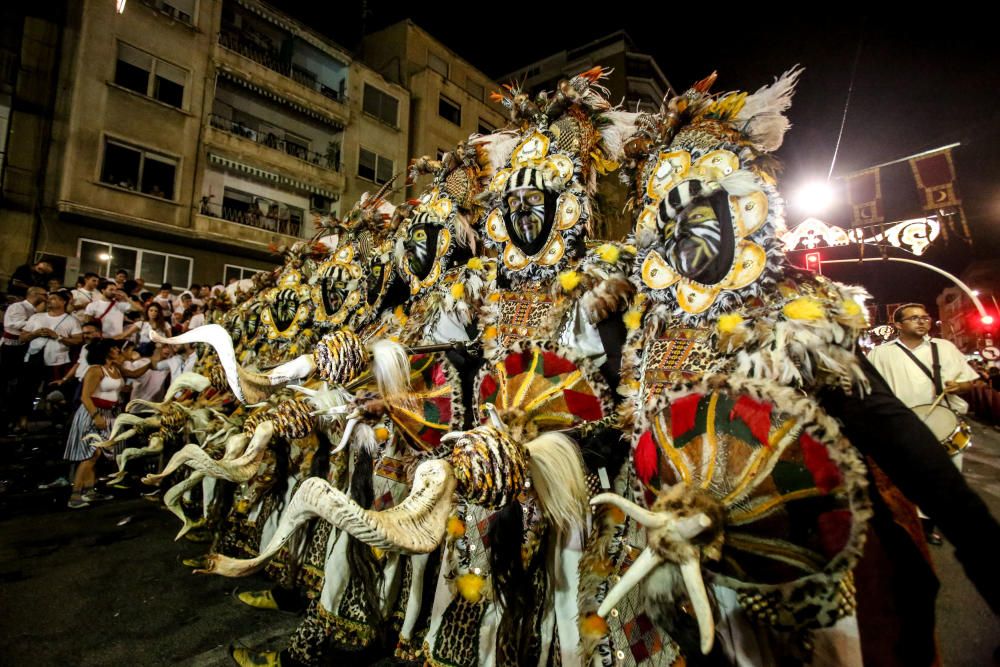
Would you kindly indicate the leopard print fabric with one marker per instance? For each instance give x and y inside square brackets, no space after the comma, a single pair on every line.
[461,621]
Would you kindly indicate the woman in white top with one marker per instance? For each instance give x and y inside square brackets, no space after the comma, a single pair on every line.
[99,406]
[153,320]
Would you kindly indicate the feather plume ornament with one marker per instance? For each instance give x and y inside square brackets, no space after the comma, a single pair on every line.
[763,113]
[557,473]
[391,368]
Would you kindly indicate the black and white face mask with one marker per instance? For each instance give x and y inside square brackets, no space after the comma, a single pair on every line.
[529,211]
[335,289]
[421,247]
[698,233]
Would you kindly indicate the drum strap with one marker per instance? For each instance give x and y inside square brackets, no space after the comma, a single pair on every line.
[934,375]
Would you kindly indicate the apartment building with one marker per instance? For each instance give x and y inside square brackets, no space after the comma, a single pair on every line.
[449,98]
[192,136]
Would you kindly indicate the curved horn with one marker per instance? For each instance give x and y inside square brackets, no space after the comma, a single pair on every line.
[640,514]
[348,430]
[219,339]
[647,561]
[695,585]
[257,387]
[172,499]
[193,381]
[416,525]
[239,469]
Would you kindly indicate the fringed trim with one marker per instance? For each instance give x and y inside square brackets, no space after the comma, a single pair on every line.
[600,281]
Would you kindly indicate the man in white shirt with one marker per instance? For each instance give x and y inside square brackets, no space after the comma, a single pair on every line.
[49,336]
[111,312]
[165,297]
[12,349]
[86,294]
[915,365]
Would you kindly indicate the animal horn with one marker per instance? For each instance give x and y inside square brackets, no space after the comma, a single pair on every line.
[647,561]
[414,526]
[640,514]
[257,387]
[172,500]
[193,381]
[695,585]
[218,338]
[239,469]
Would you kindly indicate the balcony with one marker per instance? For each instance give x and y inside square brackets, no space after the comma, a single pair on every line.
[275,223]
[297,84]
[277,160]
[329,161]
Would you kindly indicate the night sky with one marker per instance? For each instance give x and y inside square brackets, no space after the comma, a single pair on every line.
[921,82]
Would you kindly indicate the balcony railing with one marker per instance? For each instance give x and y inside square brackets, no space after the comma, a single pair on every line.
[329,161]
[281,224]
[261,51]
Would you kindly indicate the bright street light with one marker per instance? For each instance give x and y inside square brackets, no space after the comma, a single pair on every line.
[814,198]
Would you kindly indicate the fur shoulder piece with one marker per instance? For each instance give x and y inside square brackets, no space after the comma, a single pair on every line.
[600,280]
[805,337]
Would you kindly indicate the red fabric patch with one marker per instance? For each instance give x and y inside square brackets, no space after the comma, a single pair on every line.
[514,364]
[437,375]
[488,386]
[682,414]
[817,460]
[834,531]
[646,457]
[584,406]
[754,414]
[443,406]
[431,436]
[556,365]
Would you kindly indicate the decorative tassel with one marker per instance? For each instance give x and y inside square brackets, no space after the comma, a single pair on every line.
[646,462]
[682,414]
[470,587]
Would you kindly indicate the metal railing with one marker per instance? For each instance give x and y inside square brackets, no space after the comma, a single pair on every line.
[254,48]
[252,217]
[329,161]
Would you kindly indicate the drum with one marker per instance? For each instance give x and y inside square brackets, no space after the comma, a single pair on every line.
[952,432]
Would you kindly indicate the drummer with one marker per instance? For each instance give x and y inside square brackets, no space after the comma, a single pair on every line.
[919,369]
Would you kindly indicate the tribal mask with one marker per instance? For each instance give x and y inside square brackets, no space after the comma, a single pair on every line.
[707,231]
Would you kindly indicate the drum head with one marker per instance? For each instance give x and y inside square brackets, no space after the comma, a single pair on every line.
[940,420]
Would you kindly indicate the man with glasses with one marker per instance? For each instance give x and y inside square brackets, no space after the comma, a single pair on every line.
[915,365]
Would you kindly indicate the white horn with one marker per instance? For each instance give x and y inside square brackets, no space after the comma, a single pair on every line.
[414,526]
[644,516]
[695,585]
[219,339]
[348,430]
[647,561]
[172,499]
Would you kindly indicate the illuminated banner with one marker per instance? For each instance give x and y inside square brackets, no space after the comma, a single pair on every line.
[864,193]
[935,176]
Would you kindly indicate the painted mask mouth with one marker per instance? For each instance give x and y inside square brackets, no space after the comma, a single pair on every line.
[376,283]
[700,241]
[286,304]
[421,244]
[529,217]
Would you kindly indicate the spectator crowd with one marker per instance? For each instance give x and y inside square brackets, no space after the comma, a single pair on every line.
[52,336]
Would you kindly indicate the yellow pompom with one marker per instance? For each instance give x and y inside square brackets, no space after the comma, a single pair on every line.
[569,280]
[852,308]
[494,297]
[378,553]
[728,323]
[457,290]
[475,264]
[293,349]
[632,319]
[489,333]
[593,626]
[470,587]
[609,253]
[804,308]
[456,527]
[381,434]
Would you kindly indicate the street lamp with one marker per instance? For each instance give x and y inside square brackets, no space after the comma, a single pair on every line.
[814,198]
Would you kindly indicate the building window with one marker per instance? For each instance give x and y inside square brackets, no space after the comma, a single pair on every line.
[438,64]
[475,89]
[485,127]
[450,110]
[149,76]
[134,168]
[257,211]
[383,106]
[180,10]
[153,267]
[233,272]
[374,167]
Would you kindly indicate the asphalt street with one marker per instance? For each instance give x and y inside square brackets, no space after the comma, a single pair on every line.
[105,585]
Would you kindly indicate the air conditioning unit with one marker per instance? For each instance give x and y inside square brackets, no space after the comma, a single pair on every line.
[184,17]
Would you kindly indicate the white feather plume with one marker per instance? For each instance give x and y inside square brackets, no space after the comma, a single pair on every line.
[391,367]
[558,475]
[763,112]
